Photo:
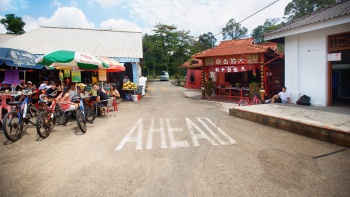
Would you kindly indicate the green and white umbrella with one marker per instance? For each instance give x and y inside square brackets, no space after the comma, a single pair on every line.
[71,60]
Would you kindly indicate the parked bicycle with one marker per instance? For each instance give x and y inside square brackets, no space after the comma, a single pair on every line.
[50,115]
[245,101]
[13,122]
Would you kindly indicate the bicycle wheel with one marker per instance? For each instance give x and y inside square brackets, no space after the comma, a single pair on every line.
[61,116]
[12,126]
[32,114]
[43,125]
[89,114]
[81,120]
[243,102]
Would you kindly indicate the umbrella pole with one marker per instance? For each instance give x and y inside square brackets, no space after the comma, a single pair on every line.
[24,75]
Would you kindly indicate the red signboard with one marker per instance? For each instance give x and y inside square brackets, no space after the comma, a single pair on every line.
[231,69]
[232,60]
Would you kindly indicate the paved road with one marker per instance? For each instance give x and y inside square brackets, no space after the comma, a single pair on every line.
[168,145]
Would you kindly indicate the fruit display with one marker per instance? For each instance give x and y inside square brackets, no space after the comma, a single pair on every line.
[129,86]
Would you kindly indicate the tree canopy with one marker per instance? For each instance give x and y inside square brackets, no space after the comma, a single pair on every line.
[13,24]
[299,8]
[268,25]
[233,30]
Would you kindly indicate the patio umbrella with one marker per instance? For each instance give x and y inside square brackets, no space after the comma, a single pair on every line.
[71,60]
[18,58]
[114,66]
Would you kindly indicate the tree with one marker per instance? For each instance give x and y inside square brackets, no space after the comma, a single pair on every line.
[299,8]
[268,25]
[167,49]
[207,41]
[13,24]
[233,30]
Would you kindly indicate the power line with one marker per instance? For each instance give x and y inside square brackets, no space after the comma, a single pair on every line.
[253,14]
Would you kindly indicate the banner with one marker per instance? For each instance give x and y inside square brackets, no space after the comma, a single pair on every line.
[12,76]
[66,73]
[102,75]
[76,76]
[60,75]
[232,60]
[231,69]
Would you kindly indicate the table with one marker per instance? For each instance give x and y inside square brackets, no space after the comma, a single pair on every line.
[230,90]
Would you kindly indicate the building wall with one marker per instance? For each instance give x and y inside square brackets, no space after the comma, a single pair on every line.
[197,75]
[306,64]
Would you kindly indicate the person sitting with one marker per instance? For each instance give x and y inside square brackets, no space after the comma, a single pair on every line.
[72,91]
[101,98]
[92,97]
[282,97]
[5,87]
[65,100]
[113,92]
[21,86]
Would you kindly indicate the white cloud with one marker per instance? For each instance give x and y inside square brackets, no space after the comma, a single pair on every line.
[107,3]
[66,17]
[201,16]
[23,4]
[31,23]
[120,24]
[7,5]
[56,3]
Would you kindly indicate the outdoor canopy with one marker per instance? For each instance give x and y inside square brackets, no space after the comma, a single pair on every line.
[72,59]
[18,58]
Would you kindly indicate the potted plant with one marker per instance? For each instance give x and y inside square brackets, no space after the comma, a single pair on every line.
[238,85]
[254,88]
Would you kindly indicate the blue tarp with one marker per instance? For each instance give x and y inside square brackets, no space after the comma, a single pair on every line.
[18,58]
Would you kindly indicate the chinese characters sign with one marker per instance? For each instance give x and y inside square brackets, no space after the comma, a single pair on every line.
[231,69]
[232,60]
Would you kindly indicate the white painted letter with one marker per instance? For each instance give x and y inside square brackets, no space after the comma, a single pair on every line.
[173,142]
[128,138]
[161,130]
[201,134]
[231,141]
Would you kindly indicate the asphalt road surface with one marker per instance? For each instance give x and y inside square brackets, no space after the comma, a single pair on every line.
[169,145]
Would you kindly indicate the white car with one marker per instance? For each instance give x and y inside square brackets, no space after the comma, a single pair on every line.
[164,76]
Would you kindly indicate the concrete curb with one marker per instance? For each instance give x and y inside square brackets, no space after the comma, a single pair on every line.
[323,133]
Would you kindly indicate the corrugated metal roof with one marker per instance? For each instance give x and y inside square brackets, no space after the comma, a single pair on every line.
[43,40]
[337,10]
[237,47]
[6,37]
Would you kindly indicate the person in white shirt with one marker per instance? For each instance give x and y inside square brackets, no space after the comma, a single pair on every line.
[126,79]
[282,97]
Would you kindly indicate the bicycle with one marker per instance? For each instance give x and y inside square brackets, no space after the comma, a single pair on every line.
[47,119]
[14,120]
[245,101]
[81,116]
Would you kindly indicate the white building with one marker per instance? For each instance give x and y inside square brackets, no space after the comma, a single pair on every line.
[308,42]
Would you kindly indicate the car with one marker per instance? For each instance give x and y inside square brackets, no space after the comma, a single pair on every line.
[164,76]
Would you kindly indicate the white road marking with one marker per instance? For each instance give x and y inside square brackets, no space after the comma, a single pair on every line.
[200,135]
[128,138]
[161,131]
[232,141]
[195,133]
[171,130]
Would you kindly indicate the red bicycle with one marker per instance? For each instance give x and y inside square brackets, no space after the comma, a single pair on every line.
[245,101]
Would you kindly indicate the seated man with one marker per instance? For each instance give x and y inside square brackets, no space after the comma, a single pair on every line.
[101,98]
[282,97]
[92,97]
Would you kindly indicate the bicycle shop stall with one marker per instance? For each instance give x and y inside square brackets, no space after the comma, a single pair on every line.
[239,68]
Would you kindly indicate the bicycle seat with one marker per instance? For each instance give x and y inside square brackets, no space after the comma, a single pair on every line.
[14,102]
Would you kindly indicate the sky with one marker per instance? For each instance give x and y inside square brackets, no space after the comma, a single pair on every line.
[197,16]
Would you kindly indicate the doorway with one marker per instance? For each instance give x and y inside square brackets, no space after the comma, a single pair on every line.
[339,70]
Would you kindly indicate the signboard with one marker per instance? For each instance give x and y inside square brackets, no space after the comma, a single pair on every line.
[232,60]
[135,74]
[12,76]
[232,69]
[334,57]
[76,77]
[60,75]
[66,73]
[102,75]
